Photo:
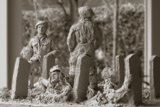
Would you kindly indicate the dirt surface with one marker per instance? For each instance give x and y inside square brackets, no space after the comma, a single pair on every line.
[22,103]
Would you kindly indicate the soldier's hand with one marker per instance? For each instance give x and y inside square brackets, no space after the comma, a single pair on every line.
[54,52]
[34,58]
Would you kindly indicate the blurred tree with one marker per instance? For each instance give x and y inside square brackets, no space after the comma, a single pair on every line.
[107,3]
[73,6]
[115,31]
[37,4]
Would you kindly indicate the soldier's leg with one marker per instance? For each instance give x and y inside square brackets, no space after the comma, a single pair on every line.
[72,69]
[35,73]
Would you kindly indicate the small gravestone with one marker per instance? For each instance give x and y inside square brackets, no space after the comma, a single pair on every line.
[48,62]
[120,69]
[81,80]
[133,67]
[155,77]
[20,78]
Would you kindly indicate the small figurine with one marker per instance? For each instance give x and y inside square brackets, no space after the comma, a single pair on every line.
[38,47]
[84,38]
[41,44]
[57,87]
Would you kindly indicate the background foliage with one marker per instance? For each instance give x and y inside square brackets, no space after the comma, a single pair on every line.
[131,30]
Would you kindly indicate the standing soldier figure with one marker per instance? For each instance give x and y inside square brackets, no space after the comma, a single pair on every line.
[41,44]
[84,38]
[38,47]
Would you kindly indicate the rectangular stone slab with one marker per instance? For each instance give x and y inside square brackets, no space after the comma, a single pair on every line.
[20,78]
[48,62]
[81,80]
[120,69]
[155,77]
[133,67]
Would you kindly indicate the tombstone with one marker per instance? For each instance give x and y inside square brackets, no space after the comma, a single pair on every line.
[133,67]
[81,80]
[20,78]
[120,69]
[155,77]
[48,62]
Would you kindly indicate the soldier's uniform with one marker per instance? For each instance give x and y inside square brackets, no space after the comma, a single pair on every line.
[84,38]
[38,47]
[41,46]
[58,91]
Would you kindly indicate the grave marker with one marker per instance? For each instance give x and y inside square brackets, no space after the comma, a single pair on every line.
[155,77]
[81,80]
[133,67]
[20,78]
[48,62]
[120,69]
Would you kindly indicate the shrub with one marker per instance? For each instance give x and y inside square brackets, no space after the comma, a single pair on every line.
[130,33]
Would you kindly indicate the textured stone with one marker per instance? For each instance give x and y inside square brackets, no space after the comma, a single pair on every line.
[133,68]
[155,77]
[120,69]
[20,78]
[81,80]
[48,62]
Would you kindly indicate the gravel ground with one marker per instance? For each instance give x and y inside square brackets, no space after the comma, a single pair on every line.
[24,103]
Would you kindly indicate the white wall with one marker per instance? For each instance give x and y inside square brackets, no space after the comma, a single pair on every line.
[10,38]
[14,39]
[152,33]
[3,43]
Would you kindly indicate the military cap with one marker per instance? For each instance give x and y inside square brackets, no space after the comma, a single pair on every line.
[40,23]
[55,68]
[85,11]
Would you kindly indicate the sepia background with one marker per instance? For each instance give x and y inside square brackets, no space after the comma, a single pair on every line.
[61,14]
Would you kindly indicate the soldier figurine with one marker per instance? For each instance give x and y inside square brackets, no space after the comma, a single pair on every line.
[38,47]
[41,44]
[57,87]
[84,38]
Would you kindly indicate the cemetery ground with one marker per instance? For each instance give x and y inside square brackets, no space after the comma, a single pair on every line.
[129,66]
[31,103]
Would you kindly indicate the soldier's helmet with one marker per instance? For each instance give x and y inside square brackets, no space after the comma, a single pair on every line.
[85,12]
[55,69]
[40,22]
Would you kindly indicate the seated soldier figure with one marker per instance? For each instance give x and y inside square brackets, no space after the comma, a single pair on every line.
[38,47]
[57,87]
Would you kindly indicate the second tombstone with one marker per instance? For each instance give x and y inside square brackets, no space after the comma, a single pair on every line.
[81,80]
[133,68]
[155,74]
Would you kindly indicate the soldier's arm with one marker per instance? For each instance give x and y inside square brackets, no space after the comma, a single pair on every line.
[55,48]
[71,40]
[30,43]
[66,89]
[27,52]
[34,57]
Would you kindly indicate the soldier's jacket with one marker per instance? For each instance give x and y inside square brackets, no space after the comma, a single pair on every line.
[84,38]
[60,88]
[85,34]
[41,46]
